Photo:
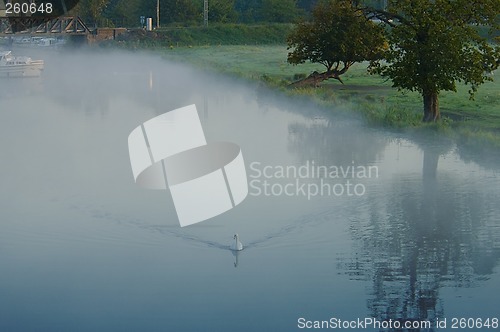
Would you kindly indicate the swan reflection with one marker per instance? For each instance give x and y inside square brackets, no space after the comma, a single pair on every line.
[236,255]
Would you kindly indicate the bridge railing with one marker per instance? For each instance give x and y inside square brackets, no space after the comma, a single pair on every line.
[28,25]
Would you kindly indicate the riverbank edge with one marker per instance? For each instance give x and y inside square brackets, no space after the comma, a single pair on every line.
[396,119]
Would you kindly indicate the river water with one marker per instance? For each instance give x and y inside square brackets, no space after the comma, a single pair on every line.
[82,248]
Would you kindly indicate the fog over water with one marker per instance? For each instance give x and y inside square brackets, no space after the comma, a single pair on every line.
[82,248]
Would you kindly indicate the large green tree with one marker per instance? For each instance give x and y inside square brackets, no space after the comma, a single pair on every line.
[435,43]
[338,36]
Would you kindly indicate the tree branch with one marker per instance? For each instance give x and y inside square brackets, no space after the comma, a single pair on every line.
[386,17]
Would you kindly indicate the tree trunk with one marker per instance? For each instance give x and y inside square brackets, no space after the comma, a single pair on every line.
[431,160]
[316,78]
[431,106]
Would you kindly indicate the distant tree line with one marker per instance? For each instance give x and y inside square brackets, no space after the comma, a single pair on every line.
[127,13]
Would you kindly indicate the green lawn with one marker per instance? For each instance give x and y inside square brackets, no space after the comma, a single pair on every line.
[371,95]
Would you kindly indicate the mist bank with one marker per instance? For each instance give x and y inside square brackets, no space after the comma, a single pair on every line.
[471,124]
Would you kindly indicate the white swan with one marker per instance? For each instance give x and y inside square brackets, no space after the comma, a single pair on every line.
[236,245]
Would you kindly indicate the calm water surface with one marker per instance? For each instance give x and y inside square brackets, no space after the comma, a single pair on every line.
[82,248]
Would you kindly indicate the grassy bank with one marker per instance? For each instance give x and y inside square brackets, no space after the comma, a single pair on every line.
[473,120]
[216,34]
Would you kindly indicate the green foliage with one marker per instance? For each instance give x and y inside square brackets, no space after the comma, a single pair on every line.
[391,116]
[91,10]
[214,34]
[435,44]
[179,11]
[306,5]
[279,11]
[127,12]
[248,10]
[338,36]
[124,13]
[222,11]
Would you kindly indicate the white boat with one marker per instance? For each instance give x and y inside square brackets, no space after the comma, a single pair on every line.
[19,66]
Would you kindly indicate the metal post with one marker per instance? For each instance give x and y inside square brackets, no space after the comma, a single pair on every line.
[205,13]
[157,14]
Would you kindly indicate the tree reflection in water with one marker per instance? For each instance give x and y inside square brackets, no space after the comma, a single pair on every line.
[421,235]
[416,233]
